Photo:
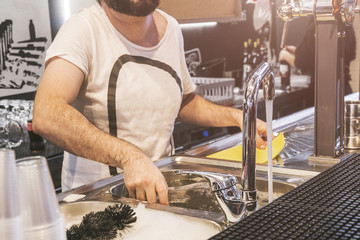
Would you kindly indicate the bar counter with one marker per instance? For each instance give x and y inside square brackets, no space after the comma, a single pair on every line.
[324,205]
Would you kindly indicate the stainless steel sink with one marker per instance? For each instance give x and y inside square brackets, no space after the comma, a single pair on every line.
[161,226]
[190,195]
[194,192]
[189,191]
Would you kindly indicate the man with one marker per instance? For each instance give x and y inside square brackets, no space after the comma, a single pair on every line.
[114,83]
[303,56]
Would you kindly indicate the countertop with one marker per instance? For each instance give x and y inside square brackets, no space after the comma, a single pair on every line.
[299,97]
[325,207]
[298,130]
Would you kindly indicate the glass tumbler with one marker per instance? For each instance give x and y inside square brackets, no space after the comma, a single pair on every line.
[11,132]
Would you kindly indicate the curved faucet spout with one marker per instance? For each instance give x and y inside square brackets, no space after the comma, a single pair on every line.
[264,75]
[234,203]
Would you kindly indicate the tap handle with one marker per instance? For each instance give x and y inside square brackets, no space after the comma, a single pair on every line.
[284,34]
[285,12]
[347,9]
[218,181]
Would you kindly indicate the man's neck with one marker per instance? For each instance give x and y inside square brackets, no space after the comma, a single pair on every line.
[143,31]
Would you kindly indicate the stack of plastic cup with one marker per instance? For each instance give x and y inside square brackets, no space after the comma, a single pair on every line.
[41,216]
[10,215]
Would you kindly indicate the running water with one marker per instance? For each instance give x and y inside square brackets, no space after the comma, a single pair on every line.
[269,114]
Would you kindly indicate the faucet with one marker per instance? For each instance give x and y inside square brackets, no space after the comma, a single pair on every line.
[227,194]
[236,204]
[264,75]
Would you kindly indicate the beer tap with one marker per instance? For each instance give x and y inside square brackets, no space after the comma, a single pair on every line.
[346,9]
[287,12]
[330,17]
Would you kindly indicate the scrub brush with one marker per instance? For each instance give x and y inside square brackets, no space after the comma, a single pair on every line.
[103,224]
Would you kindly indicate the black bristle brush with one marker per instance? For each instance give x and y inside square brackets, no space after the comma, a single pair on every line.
[103,224]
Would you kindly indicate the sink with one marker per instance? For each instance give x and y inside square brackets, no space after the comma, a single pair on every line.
[193,192]
[150,224]
[189,195]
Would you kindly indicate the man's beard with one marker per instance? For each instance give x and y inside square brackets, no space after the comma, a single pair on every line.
[141,8]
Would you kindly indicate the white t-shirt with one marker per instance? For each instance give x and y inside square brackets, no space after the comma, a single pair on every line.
[137,89]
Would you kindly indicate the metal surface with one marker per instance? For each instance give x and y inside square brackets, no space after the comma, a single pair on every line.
[283,182]
[193,191]
[73,213]
[329,81]
[347,11]
[298,129]
[284,35]
[217,90]
[330,19]
[264,75]
[227,195]
[324,10]
[288,12]
[217,181]
[287,124]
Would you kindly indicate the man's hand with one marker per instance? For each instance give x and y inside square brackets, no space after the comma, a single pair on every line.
[261,130]
[198,111]
[144,181]
[288,54]
[291,49]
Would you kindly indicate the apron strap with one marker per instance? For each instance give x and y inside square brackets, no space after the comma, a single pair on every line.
[111,95]
[113,170]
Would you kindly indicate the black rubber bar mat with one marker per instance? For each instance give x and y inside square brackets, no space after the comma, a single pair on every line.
[325,207]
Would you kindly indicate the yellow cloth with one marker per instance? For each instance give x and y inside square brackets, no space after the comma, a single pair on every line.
[235,153]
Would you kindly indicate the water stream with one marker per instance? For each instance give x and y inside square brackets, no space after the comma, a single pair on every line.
[269,114]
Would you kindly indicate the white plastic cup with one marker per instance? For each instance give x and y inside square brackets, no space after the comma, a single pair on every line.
[53,231]
[42,218]
[10,215]
[11,228]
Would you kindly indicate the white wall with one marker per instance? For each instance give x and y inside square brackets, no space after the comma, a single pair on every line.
[77,5]
[73,6]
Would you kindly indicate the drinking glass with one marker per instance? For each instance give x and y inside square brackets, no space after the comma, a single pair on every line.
[11,132]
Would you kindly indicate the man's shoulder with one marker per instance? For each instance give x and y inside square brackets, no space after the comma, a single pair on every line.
[84,21]
[90,14]
[170,19]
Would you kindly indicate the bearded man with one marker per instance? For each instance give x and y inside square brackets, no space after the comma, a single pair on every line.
[114,83]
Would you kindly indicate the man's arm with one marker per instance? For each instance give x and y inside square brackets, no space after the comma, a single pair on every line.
[56,120]
[198,111]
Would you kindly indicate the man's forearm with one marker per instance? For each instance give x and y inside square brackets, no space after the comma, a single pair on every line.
[199,111]
[63,125]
